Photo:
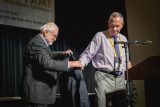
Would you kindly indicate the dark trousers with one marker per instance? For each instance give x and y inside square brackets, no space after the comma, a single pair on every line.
[117,99]
[73,89]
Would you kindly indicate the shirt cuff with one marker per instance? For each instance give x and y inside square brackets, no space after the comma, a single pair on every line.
[82,63]
[68,65]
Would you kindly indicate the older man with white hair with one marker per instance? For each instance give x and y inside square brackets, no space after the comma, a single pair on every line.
[109,62]
[41,67]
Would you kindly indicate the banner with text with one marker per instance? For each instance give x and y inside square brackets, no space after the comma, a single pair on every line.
[26,13]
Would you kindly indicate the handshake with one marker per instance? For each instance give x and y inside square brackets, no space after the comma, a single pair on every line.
[73,64]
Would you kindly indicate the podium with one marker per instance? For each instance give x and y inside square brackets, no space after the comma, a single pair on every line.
[148,69]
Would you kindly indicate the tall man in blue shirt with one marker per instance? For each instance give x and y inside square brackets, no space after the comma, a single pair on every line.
[109,62]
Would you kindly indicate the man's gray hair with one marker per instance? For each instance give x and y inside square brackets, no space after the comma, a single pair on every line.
[116,14]
[50,26]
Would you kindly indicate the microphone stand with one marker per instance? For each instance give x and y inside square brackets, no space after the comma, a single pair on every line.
[127,77]
[129,97]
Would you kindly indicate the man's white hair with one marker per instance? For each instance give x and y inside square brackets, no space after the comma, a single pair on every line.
[116,14]
[50,26]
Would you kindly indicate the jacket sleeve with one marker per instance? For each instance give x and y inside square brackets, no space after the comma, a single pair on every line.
[58,55]
[46,60]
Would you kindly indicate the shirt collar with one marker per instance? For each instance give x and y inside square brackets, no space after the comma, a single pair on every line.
[44,40]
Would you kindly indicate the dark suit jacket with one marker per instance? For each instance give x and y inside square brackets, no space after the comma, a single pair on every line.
[73,89]
[40,74]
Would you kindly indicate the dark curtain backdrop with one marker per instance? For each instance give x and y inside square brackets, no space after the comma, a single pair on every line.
[78,21]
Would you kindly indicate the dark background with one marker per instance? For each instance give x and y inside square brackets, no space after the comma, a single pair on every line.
[78,21]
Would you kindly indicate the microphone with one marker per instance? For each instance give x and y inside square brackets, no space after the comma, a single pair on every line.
[140,42]
[120,42]
[136,42]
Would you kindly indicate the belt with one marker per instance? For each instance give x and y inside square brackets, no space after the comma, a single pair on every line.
[114,73]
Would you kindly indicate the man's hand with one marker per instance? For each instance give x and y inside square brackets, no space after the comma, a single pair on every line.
[129,65]
[75,64]
[67,52]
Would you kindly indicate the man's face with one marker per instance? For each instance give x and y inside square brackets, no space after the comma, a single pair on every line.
[51,36]
[115,26]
